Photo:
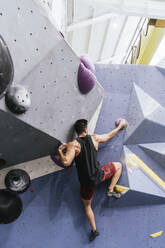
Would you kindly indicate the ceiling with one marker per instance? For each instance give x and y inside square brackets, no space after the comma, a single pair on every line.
[105,29]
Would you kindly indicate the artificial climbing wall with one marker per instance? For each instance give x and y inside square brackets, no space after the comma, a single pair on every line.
[46,65]
[135,93]
[55,203]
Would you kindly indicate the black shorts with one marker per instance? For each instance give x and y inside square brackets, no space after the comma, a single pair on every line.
[109,169]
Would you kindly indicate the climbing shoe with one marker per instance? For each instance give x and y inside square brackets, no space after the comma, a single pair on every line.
[93,235]
[113,194]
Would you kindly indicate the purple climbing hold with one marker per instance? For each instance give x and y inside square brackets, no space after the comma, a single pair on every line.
[87,62]
[86,79]
[56,159]
[117,122]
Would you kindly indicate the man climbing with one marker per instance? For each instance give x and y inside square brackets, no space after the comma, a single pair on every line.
[83,150]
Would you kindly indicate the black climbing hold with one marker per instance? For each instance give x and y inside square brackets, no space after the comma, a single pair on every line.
[17,180]
[10,206]
[6,67]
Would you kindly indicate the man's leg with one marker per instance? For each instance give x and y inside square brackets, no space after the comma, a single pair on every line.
[116,176]
[90,215]
[112,170]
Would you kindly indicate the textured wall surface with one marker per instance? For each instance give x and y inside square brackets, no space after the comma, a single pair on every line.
[137,94]
[53,214]
[161,66]
[22,142]
[46,65]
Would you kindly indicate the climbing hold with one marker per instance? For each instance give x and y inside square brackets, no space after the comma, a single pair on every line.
[85,59]
[117,122]
[10,206]
[121,189]
[86,79]
[6,67]
[154,235]
[18,99]
[56,157]
[17,180]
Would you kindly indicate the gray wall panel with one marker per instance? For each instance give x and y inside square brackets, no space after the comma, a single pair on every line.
[20,142]
[45,63]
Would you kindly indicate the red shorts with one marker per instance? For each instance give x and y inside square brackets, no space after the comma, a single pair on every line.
[109,169]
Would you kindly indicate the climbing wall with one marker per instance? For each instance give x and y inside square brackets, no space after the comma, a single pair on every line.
[54,202]
[135,93]
[161,67]
[46,65]
[53,215]
[145,115]
[156,151]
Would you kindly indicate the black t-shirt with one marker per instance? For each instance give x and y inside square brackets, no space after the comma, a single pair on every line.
[88,169]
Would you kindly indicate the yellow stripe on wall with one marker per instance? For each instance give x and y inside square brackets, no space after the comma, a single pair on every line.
[131,158]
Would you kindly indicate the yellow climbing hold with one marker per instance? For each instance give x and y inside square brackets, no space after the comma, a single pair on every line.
[154,235]
[121,189]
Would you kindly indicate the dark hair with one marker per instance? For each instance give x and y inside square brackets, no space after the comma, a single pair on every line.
[80,126]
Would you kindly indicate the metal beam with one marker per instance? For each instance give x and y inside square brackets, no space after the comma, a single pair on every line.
[89,22]
[144,8]
[119,37]
[103,40]
[134,38]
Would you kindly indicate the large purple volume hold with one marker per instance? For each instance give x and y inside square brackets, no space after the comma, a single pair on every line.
[86,79]
[87,62]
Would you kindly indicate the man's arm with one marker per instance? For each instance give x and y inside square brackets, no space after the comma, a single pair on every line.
[101,138]
[69,156]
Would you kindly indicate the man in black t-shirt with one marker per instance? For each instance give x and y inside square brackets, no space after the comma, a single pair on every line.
[84,151]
